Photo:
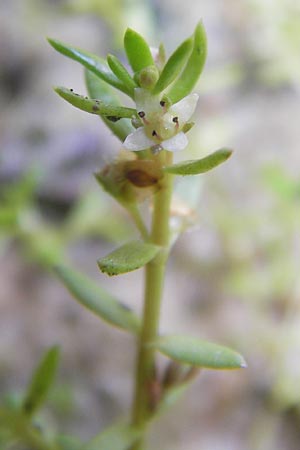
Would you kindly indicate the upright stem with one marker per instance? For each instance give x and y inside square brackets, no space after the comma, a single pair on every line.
[154,281]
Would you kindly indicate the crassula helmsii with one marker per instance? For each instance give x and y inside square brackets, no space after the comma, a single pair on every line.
[150,129]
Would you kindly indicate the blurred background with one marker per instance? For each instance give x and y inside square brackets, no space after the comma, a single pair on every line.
[233,278]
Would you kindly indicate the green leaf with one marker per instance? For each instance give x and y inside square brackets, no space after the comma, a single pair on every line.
[137,50]
[197,166]
[121,72]
[130,256]
[174,65]
[99,89]
[197,352]
[41,381]
[192,71]
[117,437]
[98,107]
[92,62]
[97,300]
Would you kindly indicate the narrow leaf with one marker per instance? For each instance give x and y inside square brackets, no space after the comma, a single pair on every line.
[121,72]
[137,50]
[197,166]
[41,381]
[97,88]
[98,300]
[92,62]
[174,65]
[117,437]
[192,71]
[111,112]
[129,257]
[199,353]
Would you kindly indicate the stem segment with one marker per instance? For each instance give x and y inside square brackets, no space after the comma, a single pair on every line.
[154,282]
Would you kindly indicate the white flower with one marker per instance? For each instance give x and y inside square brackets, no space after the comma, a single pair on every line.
[162,126]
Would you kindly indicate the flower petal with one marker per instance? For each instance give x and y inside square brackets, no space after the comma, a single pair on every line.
[185,108]
[175,143]
[137,140]
[146,102]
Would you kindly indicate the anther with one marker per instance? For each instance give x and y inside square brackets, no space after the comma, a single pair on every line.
[175,119]
[154,133]
[162,103]
[141,114]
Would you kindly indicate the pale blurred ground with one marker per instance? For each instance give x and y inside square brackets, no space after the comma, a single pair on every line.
[233,279]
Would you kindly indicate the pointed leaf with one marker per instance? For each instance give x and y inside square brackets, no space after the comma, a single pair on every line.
[111,112]
[122,73]
[92,62]
[118,437]
[99,89]
[41,381]
[199,353]
[97,300]
[129,257]
[192,71]
[174,65]
[197,166]
[137,50]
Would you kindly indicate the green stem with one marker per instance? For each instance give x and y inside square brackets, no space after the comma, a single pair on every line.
[137,218]
[154,281]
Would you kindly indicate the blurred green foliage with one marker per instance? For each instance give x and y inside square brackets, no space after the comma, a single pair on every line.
[23,220]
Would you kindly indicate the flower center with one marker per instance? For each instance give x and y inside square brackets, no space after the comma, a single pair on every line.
[160,125]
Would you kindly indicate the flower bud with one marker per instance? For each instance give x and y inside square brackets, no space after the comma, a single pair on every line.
[130,181]
[147,77]
[143,173]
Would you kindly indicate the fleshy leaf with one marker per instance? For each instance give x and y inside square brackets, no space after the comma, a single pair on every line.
[197,166]
[173,66]
[199,353]
[92,106]
[97,300]
[130,256]
[122,73]
[92,62]
[117,437]
[97,88]
[41,381]
[137,50]
[192,71]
